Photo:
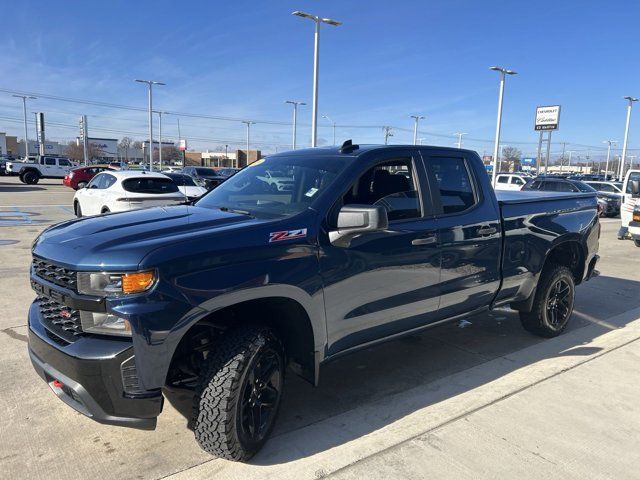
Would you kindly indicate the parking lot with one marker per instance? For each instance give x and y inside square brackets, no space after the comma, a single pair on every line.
[457,401]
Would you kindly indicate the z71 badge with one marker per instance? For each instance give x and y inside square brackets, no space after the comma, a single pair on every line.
[287,235]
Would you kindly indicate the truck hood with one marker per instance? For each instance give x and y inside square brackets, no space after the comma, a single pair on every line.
[121,240]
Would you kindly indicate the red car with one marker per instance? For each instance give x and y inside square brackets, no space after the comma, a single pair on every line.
[79,177]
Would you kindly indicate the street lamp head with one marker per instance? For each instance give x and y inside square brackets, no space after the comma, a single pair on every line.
[417,117]
[631,99]
[27,97]
[504,71]
[294,102]
[330,21]
[299,13]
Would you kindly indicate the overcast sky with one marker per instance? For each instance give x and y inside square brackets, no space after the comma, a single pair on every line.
[243,59]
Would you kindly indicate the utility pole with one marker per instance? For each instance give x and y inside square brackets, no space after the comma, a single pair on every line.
[387,134]
[416,118]
[460,139]
[160,138]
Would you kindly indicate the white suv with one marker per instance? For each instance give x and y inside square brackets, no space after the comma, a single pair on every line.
[46,166]
[511,181]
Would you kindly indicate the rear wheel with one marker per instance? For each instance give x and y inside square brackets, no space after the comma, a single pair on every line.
[238,393]
[553,302]
[637,243]
[30,178]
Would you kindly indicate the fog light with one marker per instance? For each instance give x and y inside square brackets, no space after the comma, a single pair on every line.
[105,324]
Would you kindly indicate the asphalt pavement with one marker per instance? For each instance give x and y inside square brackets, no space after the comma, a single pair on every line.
[475,399]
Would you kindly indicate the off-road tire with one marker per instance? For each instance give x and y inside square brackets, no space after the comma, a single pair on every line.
[30,178]
[536,321]
[77,209]
[218,395]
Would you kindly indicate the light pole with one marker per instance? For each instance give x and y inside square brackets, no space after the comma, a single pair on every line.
[626,135]
[496,147]
[416,119]
[316,66]
[24,109]
[295,120]
[606,168]
[460,139]
[248,123]
[334,127]
[150,83]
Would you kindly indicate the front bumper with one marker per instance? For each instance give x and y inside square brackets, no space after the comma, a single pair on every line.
[90,376]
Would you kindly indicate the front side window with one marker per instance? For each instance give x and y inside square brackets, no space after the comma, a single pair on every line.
[503,179]
[633,177]
[108,180]
[517,181]
[454,183]
[306,177]
[96,181]
[63,162]
[150,185]
[390,184]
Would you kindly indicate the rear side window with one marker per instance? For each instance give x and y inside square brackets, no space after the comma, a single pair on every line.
[107,180]
[454,182]
[503,179]
[49,161]
[633,177]
[149,185]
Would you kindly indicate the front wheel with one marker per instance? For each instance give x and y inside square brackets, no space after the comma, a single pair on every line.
[78,209]
[637,243]
[553,302]
[238,393]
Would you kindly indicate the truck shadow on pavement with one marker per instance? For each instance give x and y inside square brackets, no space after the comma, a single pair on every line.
[370,389]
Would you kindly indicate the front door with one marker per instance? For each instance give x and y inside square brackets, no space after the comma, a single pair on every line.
[384,282]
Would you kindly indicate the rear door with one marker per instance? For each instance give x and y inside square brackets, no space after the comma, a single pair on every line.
[469,230]
[384,282]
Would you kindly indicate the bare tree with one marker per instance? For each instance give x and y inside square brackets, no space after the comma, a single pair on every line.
[511,158]
[125,144]
[75,151]
[137,144]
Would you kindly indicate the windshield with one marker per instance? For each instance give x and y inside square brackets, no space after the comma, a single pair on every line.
[583,187]
[254,191]
[181,180]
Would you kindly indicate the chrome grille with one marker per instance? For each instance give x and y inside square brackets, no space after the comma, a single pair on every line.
[60,276]
[60,320]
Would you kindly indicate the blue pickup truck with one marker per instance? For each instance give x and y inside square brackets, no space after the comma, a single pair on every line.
[218,297]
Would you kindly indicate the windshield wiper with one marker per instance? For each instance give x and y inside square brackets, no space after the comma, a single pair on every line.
[234,210]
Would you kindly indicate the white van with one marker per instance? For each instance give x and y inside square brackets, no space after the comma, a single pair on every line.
[629,202]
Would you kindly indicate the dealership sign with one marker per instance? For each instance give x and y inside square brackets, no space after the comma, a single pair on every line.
[548,118]
[183,145]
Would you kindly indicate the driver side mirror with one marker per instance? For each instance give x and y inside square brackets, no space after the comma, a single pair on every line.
[356,219]
[635,188]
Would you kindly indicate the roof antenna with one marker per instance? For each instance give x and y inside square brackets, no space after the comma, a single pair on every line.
[348,147]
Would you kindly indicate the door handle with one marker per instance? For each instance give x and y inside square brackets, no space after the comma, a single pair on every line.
[424,240]
[484,231]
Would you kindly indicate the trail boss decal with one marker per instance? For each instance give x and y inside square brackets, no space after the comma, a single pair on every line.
[287,235]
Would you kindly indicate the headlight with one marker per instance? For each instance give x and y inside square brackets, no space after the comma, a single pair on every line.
[110,284]
[104,324]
